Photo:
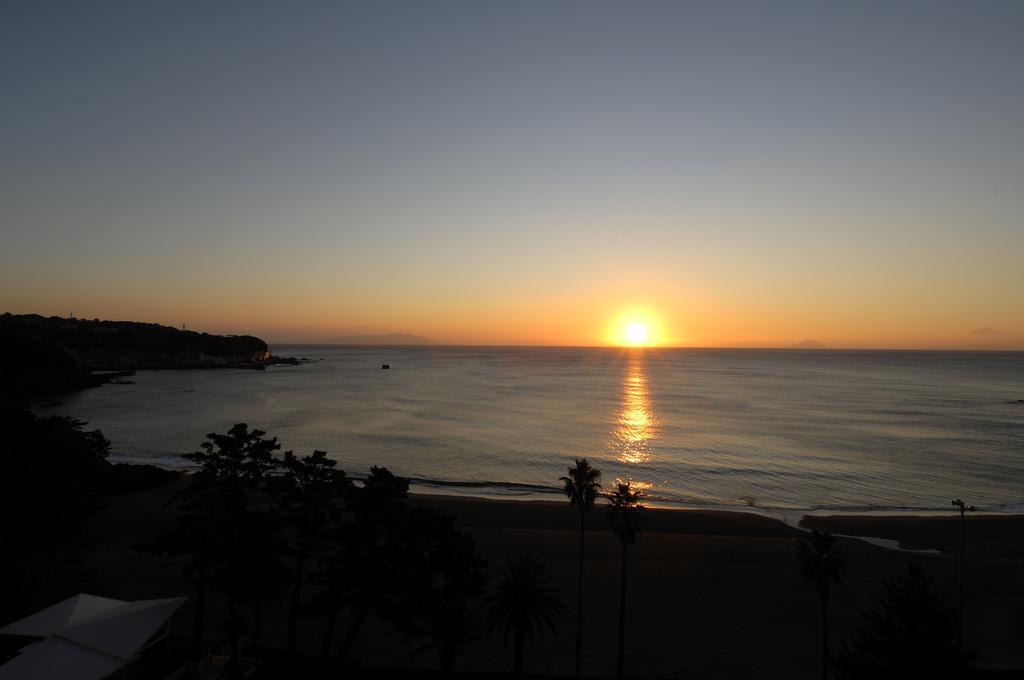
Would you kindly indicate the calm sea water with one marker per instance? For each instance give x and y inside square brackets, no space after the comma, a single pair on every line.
[776,430]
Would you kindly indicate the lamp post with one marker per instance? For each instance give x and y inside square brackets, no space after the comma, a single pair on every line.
[963,507]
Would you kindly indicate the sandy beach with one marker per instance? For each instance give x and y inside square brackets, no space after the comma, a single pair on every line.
[711,594]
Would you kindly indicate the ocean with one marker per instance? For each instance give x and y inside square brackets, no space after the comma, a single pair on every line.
[774,430]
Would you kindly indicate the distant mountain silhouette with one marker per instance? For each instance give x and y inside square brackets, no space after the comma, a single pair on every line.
[987,330]
[381,339]
[810,344]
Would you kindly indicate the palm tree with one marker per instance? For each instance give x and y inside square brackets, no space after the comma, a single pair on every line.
[446,630]
[625,515]
[523,602]
[581,486]
[822,564]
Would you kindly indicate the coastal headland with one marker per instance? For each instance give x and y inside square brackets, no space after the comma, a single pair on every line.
[56,354]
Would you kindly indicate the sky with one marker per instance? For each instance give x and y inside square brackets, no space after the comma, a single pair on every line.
[732,173]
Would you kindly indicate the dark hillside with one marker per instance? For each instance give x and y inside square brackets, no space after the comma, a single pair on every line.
[48,343]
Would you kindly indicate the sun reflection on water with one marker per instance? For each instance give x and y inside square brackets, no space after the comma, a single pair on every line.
[637,425]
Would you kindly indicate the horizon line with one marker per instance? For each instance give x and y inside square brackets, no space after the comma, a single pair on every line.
[443,345]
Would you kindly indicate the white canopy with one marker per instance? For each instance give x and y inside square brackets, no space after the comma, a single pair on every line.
[56,659]
[71,611]
[86,637]
[122,632]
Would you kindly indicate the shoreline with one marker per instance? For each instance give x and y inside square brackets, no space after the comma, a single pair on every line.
[790,516]
[890,531]
[923,533]
[513,493]
[801,519]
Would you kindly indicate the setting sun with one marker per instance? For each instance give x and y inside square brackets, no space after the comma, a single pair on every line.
[636,333]
[635,328]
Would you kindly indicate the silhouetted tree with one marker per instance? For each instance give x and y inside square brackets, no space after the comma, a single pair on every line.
[441,578]
[312,494]
[912,636]
[446,630]
[225,497]
[53,477]
[523,602]
[267,576]
[409,566]
[821,563]
[625,516]
[196,536]
[370,568]
[360,557]
[582,485]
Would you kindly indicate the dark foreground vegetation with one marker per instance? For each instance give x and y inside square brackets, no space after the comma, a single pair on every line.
[272,540]
[55,477]
[257,526]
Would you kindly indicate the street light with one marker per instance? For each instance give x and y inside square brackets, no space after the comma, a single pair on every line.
[963,507]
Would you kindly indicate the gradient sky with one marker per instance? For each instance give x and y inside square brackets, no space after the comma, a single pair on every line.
[524,172]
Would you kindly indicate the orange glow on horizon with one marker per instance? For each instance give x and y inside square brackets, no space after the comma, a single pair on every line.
[636,328]
[597,316]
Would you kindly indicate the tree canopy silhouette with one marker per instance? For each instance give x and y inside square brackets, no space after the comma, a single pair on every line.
[312,494]
[443,578]
[912,635]
[362,557]
[250,522]
[227,519]
[403,564]
[54,478]
[523,602]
